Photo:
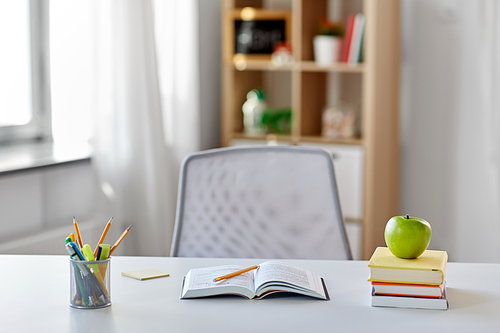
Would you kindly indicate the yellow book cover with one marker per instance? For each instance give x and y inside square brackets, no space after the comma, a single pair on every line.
[429,268]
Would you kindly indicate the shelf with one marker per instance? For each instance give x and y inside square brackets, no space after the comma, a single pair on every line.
[311,66]
[370,89]
[261,65]
[264,137]
[288,138]
[321,139]
[304,66]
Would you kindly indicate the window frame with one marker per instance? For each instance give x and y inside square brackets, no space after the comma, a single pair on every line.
[39,127]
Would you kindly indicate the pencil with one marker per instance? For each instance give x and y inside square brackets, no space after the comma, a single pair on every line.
[77,231]
[230,275]
[106,228]
[119,240]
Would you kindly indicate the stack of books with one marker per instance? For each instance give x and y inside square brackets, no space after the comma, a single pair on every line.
[408,283]
[352,48]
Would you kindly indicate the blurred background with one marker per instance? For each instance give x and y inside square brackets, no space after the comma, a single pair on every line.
[101,100]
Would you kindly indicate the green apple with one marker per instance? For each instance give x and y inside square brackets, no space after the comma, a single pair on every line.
[407,237]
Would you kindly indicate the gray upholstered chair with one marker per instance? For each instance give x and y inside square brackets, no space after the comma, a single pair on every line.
[277,202]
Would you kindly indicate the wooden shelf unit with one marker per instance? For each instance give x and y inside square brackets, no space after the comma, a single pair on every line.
[372,85]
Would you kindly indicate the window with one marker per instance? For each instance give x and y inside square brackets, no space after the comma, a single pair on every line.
[24,83]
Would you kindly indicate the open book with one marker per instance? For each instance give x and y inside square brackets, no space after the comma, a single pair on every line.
[270,277]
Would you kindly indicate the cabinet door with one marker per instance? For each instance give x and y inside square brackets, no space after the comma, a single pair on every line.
[348,163]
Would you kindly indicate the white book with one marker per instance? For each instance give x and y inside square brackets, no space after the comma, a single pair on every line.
[410,302]
[270,277]
[357,32]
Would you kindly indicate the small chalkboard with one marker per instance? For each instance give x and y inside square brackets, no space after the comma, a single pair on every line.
[258,37]
[255,32]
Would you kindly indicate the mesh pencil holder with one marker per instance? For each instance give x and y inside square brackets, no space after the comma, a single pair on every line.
[90,284]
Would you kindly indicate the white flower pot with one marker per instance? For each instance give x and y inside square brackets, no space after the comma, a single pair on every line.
[326,49]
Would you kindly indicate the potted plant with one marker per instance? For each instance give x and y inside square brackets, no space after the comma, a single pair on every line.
[328,42]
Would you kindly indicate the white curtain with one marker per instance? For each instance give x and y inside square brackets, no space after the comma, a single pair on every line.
[147,114]
[490,86]
[450,124]
[477,176]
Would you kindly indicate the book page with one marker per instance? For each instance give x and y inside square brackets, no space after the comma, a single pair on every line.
[273,275]
[203,278]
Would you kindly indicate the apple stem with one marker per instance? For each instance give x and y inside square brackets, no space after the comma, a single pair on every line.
[407,216]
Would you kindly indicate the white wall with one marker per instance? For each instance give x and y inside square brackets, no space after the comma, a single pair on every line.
[447,174]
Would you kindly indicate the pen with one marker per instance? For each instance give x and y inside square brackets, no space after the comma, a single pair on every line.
[98,257]
[93,289]
[72,254]
[81,289]
[78,236]
[113,248]
[76,249]
[106,228]
[71,251]
[230,275]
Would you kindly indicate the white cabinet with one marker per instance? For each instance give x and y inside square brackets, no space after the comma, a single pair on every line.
[354,232]
[348,163]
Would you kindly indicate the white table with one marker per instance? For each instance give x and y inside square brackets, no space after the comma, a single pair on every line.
[34,297]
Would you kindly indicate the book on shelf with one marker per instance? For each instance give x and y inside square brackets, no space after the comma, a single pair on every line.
[270,277]
[403,289]
[356,37]
[411,302]
[344,57]
[361,56]
[428,268]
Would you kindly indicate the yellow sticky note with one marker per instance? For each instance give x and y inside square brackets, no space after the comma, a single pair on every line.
[145,274]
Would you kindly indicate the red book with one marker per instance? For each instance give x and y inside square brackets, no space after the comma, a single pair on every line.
[347,38]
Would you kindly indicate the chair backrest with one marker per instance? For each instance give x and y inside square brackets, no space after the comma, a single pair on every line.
[277,202]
